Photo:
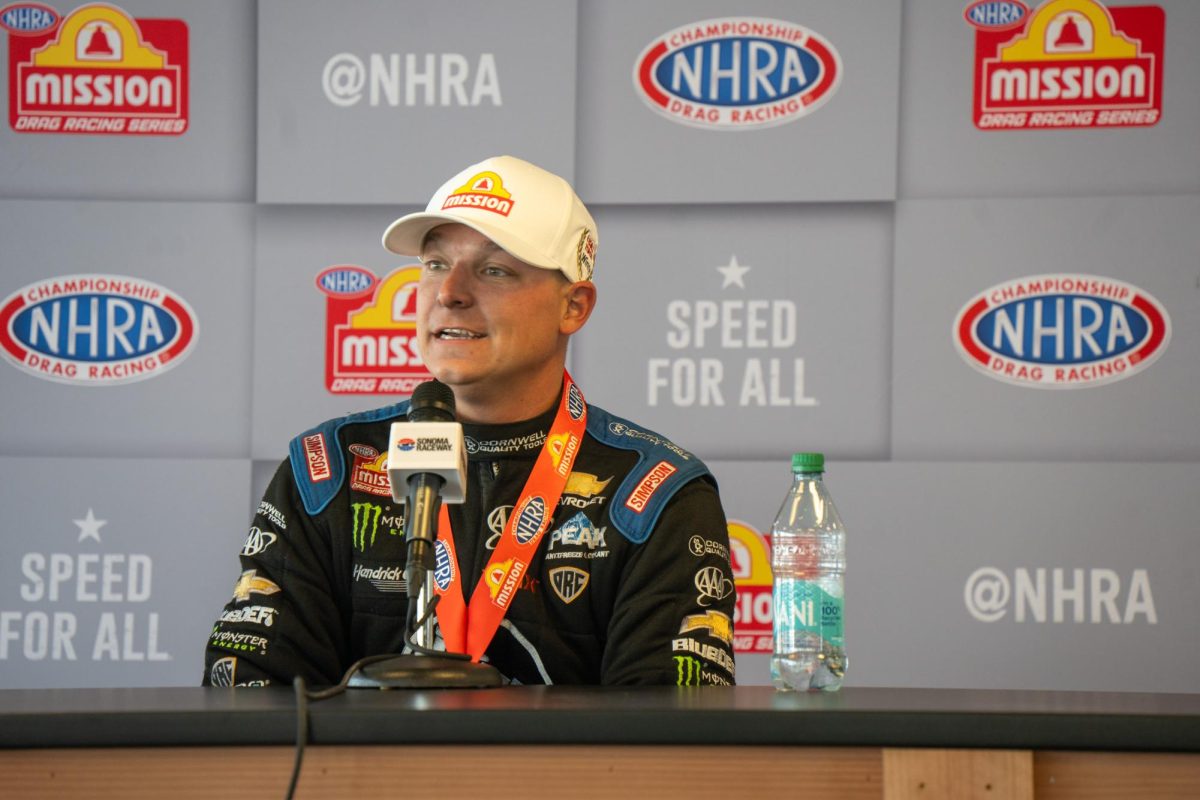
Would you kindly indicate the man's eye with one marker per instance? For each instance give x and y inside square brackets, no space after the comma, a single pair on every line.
[433,265]
[494,271]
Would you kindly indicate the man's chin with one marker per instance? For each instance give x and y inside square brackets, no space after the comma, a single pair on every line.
[455,376]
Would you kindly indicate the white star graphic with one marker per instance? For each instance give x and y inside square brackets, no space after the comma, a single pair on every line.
[89,526]
[733,273]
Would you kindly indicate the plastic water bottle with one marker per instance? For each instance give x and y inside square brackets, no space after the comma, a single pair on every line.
[808,560]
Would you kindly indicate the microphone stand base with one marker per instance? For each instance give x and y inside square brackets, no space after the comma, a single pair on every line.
[425,672]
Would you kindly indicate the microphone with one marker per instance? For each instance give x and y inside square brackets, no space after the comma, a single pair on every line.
[427,465]
[427,458]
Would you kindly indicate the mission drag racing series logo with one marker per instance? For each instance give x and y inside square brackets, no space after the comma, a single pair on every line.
[1061,331]
[754,615]
[371,331]
[737,73]
[369,471]
[81,606]
[1068,64]
[96,330]
[98,71]
[736,327]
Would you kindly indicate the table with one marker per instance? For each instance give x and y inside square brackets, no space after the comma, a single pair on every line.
[532,742]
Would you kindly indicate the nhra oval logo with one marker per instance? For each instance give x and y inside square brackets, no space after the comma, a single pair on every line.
[996,15]
[28,19]
[529,520]
[1061,331]
[96,330]
[575,406]
[443,571]
[346,280]
[736,73]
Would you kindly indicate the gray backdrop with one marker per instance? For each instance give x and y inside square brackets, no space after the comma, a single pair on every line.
[983,516]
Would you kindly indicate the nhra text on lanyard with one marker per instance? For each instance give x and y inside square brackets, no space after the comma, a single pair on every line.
[470,628]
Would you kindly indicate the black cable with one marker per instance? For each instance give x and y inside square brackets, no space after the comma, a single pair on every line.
[412,627]
[301,732]
[303,695]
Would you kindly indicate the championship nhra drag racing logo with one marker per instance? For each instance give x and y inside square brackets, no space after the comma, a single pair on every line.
[97,71]
[1069,64]
[371,331]
[737,73]
[1061,331]
[95,330]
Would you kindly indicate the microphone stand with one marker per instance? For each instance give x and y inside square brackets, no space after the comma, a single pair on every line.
[424,667]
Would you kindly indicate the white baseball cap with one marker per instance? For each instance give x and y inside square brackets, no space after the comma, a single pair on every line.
[533,214]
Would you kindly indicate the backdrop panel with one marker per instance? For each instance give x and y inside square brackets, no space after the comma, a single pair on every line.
[720,327]
[301,333]
[842,149]
[949,252]
[1000,576]
[200,254]
[379,102]
[212,159]
[119,585]
[943,153]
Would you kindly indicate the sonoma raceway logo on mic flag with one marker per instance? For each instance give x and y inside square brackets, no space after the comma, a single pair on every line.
[737,73]
[1061,331]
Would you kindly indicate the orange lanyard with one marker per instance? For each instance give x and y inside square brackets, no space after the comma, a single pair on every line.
[470,628]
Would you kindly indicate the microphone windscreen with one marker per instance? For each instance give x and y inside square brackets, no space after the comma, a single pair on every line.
[433,401]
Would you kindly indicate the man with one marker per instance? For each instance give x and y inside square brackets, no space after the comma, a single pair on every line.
[589,550]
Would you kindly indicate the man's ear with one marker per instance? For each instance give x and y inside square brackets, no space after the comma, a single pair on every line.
[579,300]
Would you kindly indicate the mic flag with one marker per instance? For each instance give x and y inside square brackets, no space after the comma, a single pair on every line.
[430,443]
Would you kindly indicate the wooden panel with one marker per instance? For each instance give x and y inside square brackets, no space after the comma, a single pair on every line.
[1108,776]
[932,774]
[573,771]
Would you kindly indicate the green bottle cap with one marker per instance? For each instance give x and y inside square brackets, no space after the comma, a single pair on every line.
[808,462]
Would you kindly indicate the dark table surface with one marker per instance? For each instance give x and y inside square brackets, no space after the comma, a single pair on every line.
[745,715]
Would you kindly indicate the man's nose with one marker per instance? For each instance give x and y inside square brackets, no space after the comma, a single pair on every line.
[455,287]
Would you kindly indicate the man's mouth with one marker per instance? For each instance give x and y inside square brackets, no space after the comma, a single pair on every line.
[457,333]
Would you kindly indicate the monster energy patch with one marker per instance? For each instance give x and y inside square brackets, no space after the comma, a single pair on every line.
[691,672]
[366,521]
[237,641]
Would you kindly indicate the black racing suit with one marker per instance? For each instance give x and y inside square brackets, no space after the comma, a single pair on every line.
[631,583]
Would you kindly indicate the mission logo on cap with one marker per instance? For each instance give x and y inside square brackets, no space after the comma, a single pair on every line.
[533,214]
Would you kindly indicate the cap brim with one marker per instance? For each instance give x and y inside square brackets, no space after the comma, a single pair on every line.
[406,236]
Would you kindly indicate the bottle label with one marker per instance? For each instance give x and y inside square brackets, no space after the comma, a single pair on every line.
[802,609]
